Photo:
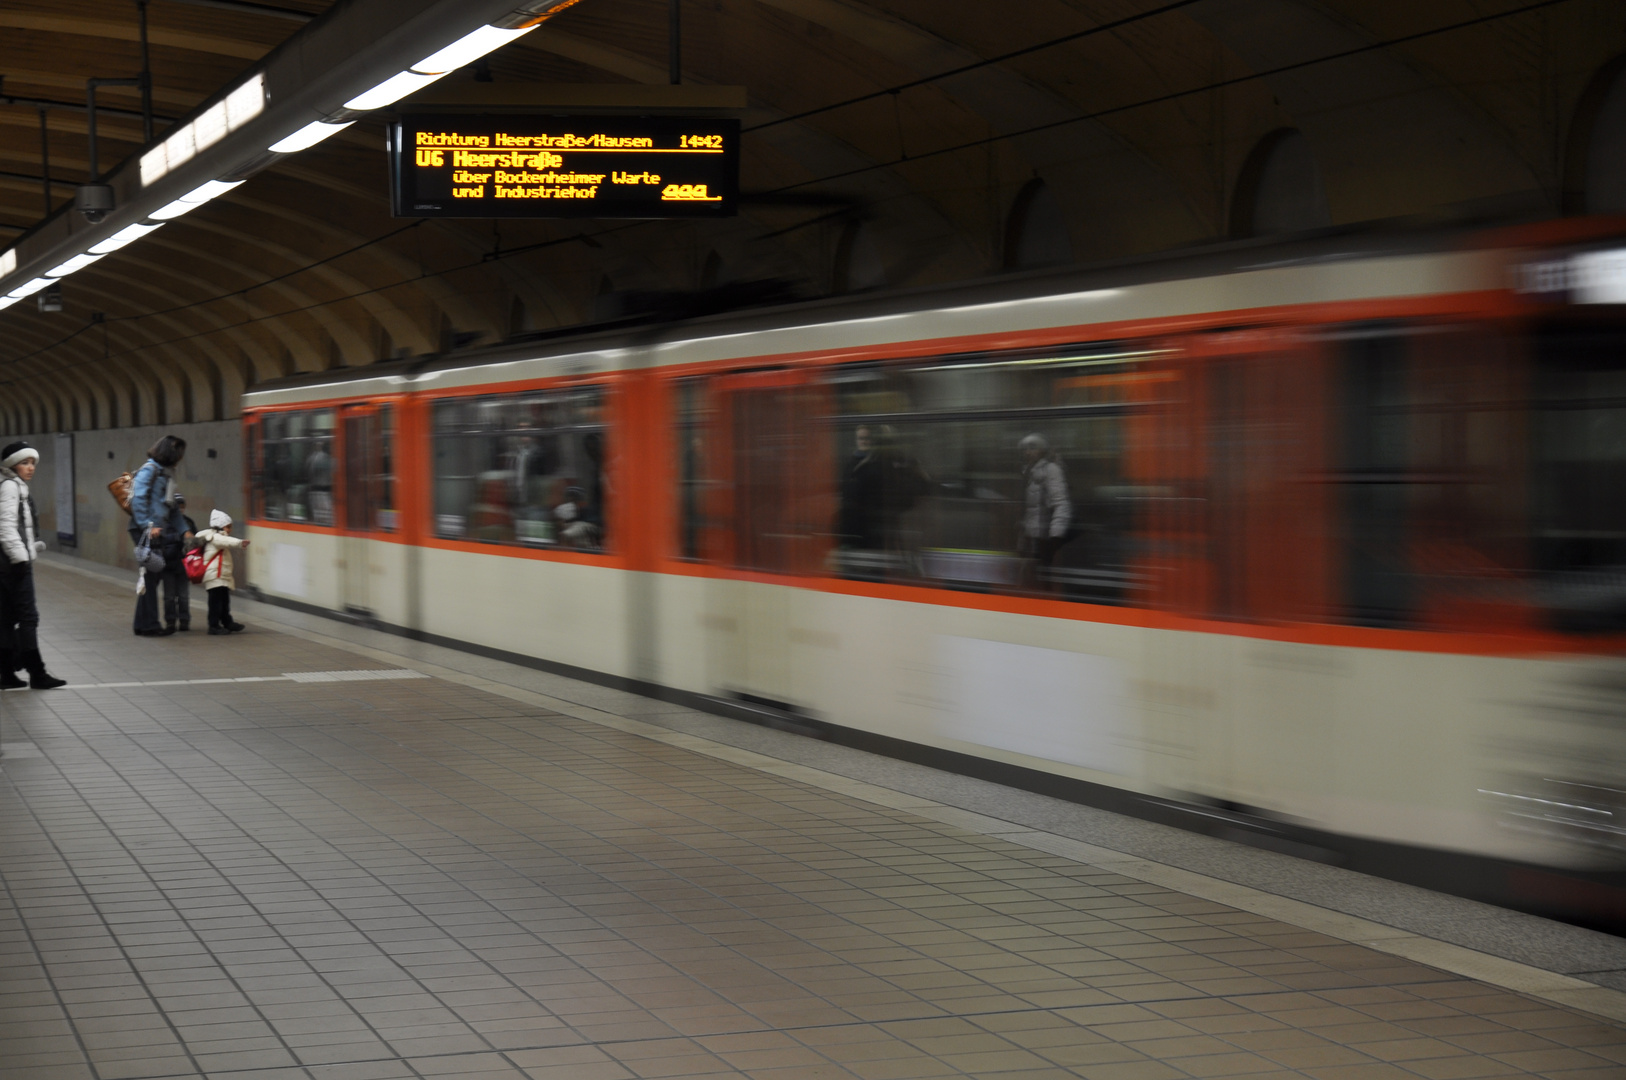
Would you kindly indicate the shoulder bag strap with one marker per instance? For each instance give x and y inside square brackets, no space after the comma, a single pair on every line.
[22,527]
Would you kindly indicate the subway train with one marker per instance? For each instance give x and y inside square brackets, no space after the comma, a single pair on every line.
[1319,544]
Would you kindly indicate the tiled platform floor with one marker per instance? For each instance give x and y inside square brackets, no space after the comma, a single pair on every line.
[414,878]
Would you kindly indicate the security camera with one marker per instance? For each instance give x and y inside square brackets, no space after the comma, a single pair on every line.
[95,201]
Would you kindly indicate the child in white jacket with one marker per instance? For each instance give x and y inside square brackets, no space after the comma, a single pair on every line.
[217,570]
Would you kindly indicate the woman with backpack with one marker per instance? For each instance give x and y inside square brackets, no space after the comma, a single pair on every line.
[157,524]
[21,545]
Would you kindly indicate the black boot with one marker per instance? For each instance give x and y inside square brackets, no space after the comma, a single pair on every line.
[38,677]
[8,671]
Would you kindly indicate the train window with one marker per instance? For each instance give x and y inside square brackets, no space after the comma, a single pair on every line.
[295,456]
[1374,477]
[254,452]
[1430,445]
[1579,461]
[369,471]
[693,421]
[522,469]
[991,473]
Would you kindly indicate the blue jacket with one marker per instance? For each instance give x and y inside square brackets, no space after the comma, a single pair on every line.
[147,507]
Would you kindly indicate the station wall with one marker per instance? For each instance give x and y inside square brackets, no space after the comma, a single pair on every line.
[211,475]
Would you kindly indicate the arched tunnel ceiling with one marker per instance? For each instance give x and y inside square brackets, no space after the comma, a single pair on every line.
[1138,115]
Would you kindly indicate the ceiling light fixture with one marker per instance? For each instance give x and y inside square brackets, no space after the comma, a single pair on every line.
[194,199]
[465,50]
[391,90]
[30,289]
[307,137]
[78,262]
[460,53]
[127,235]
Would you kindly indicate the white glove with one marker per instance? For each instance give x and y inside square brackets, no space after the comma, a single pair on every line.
[39,547]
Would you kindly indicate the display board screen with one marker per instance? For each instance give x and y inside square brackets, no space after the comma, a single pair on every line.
[498,166]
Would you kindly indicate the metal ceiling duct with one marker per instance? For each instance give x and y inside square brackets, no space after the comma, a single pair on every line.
[354,46]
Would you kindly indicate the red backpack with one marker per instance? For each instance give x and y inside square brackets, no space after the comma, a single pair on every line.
[195,565]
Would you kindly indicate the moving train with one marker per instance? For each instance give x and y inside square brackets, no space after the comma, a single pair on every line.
[1317,544]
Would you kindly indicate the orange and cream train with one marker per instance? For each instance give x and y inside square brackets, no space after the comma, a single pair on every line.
[1317,544]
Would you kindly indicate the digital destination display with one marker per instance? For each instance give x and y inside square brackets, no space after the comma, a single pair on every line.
[495,166]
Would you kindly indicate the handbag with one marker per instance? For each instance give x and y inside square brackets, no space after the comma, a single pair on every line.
[120,489]
[147,557]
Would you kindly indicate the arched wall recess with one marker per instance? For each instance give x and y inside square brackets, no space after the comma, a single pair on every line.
[858,264]
[1036,230]
[519,316]
[1595,161]
[712,271]
[1279,189]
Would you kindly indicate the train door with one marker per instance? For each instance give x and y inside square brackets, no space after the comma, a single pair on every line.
[769,517]
[1234,454]
[369,506]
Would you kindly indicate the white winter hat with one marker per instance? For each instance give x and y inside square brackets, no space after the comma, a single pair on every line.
[219,519]
[17,453]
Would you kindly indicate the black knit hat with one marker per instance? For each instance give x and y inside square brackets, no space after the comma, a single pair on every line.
[17,453]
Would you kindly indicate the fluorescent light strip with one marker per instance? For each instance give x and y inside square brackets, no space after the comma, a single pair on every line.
[7,301]
[8,261]
[30,289]
[460,53]
[127,235]
[391,90]
[193,199]
[78,262]
[469,48]
[174,210]
[306,137]
[212,190]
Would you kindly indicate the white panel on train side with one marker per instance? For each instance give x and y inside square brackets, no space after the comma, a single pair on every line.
[289,573]
[1385,744]
[564,612]
[1391,277]
[1045,703]
[296,565]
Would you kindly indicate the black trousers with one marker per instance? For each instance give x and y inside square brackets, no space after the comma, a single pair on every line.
[177,591]
[146,612]
[19,615]
[219,607]
[172,580]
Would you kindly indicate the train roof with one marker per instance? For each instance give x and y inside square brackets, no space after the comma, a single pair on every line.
[1331,265]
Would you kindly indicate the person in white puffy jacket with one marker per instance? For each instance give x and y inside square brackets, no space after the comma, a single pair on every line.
[218,581]
[21,545]
[1048,509]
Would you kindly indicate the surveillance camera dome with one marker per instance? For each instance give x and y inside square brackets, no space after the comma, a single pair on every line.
[95,201]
